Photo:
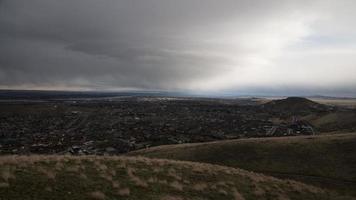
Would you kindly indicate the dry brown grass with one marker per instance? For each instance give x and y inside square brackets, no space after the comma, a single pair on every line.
[4,185]
[297,186]
[163,181]
[176,176]
[105,176]
[152,180]
[200,186]
[222,191]
[83,176]
[49,173]
[137,180]
[115,184]
[257,190]
[237,195]
[97,195]
[222,183]
[112,172]
[157,169]
[59,166]
[48,189]
[101,166]
[73,168]
[7,174]
[169,197]
[186,182]
[176,185]
[124,192]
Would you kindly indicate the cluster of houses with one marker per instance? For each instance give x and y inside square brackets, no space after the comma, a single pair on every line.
[115,127]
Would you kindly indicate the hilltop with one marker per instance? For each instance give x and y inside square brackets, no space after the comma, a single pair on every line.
[89,177]
[327,161]
[294,105]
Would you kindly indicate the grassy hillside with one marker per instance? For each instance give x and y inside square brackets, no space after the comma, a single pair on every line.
[327,161]
[336,121]
[295,105]
[63,177]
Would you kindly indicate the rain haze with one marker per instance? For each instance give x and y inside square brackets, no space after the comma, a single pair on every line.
[275,47]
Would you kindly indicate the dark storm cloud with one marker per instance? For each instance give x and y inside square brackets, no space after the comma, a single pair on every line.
[118,43]
[155,44]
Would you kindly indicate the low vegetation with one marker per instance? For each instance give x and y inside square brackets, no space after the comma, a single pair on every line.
[90,177]
[327,161]
[335,122]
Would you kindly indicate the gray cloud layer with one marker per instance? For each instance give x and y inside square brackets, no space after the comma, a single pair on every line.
[195,45]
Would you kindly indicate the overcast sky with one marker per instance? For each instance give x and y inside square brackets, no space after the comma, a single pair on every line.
[265,47]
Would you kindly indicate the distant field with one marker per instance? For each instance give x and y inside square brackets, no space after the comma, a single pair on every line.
[65,177]
[328,161]
[350,103]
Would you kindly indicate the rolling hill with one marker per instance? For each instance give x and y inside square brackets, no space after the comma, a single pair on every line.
[327,161]
[90,177]
[294,105]
[340,121]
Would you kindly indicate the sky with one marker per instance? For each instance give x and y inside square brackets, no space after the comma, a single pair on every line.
[257,47]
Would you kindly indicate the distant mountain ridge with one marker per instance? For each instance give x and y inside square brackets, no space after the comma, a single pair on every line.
[48,94]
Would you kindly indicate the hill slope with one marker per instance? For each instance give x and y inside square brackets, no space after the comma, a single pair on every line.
[294,105]
[328,161]
[341,121]
[61,177]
